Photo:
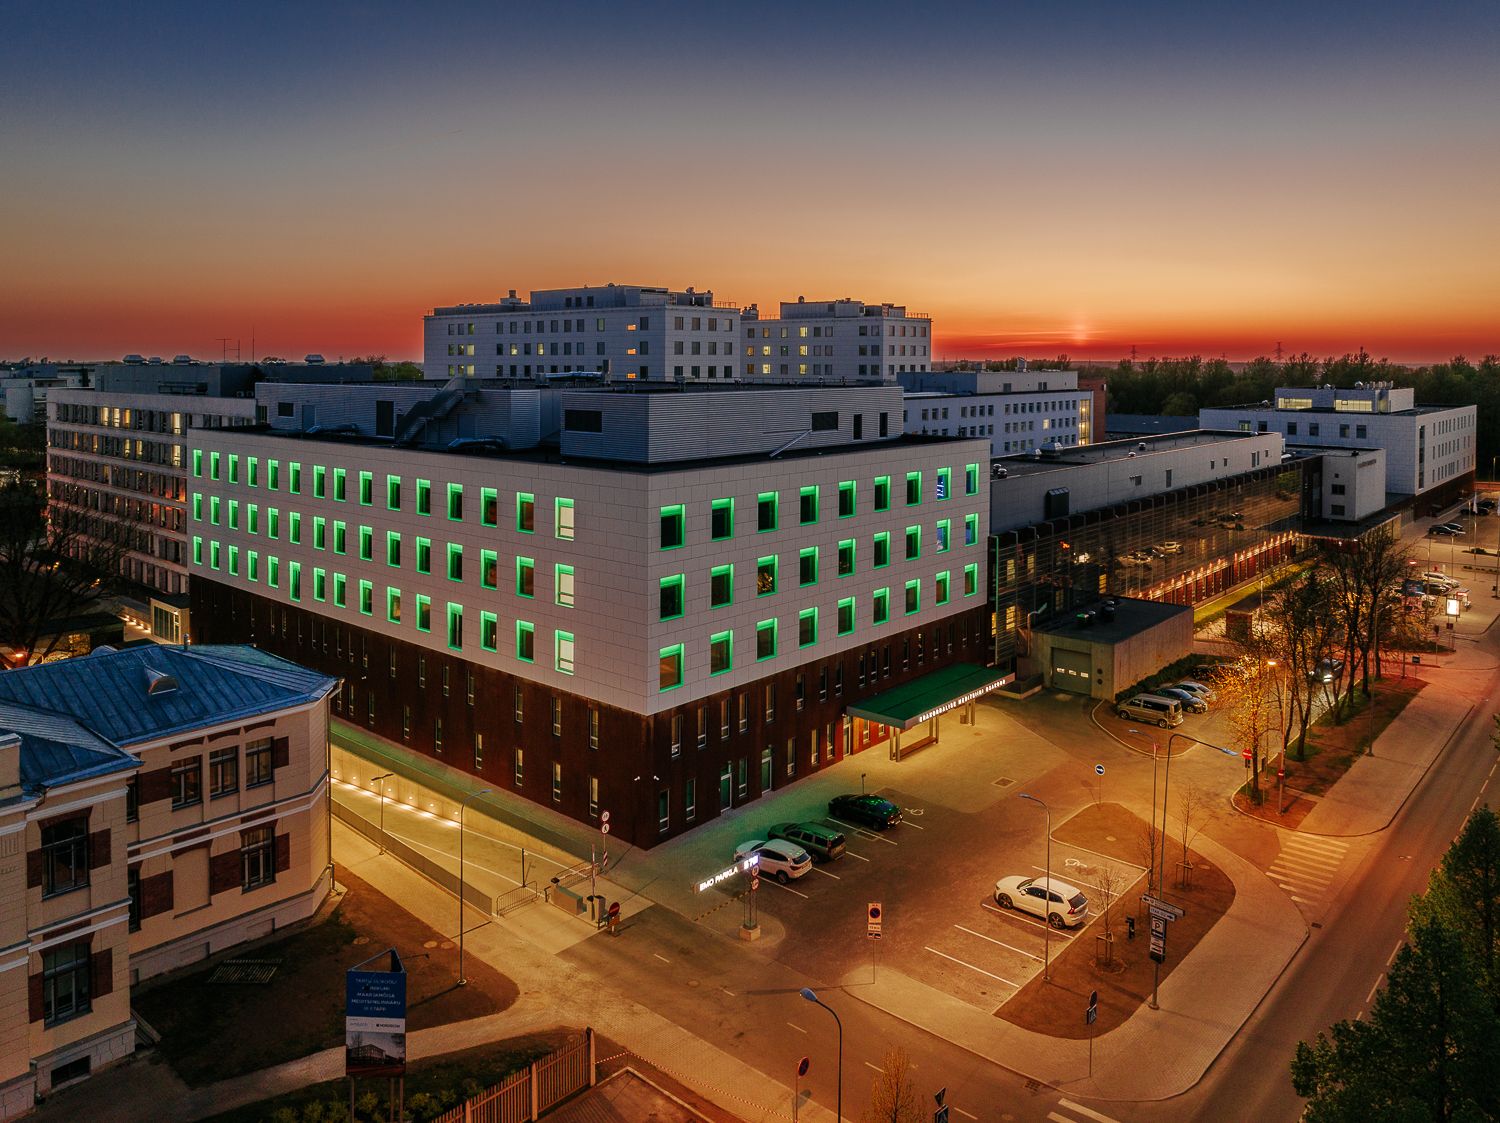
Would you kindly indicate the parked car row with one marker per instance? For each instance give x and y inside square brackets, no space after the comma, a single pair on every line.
[1164,706]
[789,849]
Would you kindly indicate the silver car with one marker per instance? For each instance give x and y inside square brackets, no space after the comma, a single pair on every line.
[1192,687]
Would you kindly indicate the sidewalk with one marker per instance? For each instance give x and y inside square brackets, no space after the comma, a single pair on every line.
[1157,1053]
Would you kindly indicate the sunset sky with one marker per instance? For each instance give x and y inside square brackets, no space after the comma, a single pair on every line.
[1040,178]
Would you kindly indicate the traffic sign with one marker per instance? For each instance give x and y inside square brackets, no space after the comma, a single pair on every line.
[1165,909]
[604,816]
[603,828]
[1159,948]
[1092,1013]
[1098,770]
[941,1114]
[872,920]
[802,1066]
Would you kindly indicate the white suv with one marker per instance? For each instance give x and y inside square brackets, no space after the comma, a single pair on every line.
[778,858]
[1058,903]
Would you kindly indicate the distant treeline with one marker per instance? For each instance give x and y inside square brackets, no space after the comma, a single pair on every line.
[1181,387]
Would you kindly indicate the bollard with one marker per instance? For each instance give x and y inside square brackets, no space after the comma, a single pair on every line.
[1130,927]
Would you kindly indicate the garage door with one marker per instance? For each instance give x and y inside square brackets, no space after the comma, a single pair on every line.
[1072,670]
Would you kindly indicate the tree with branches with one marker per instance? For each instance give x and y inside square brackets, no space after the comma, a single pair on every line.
[1110,881]
[893,1094]
[1249,698]
[1192,814]
[56,562]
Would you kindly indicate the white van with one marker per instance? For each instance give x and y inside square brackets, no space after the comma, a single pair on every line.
[1152,709]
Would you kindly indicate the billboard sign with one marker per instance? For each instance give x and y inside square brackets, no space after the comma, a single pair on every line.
[375,1018]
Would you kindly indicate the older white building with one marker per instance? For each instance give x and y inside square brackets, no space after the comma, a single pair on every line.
[1427,448]
[1017,410]
[835,341]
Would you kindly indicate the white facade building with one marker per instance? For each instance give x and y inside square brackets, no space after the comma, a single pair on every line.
[836,341]
[1017,410]
[629,332]
[1426,447]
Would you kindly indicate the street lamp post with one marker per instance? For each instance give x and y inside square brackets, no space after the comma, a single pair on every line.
[811,996]
[382,779]
[462,805]
[1047,931]
[1155,750]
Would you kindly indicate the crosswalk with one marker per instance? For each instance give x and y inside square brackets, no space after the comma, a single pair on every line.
[1077,1113]
[1306,866]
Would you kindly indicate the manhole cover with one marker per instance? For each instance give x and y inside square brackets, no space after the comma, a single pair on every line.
[447,943]
[1110,838]
[430,944]
[361,939]
[1004,782]
[245,972]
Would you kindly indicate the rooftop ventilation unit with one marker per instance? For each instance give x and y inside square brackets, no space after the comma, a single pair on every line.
[314,359]
[158,682]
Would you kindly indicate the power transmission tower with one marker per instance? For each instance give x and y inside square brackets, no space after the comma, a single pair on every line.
[1278,351]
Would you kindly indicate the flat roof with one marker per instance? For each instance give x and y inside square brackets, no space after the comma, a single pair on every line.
[930,695]
[1132,616]
[1106,451]
[1264,407]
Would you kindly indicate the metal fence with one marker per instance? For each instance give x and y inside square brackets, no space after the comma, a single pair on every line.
[524,1096]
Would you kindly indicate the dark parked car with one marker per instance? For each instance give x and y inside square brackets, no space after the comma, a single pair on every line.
[866,810]
[1327,670]
[1442,530]
[822,842]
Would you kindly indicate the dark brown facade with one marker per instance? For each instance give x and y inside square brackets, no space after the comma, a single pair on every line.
[658,776]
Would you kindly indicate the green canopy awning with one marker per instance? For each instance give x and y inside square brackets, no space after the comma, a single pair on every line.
[932,694]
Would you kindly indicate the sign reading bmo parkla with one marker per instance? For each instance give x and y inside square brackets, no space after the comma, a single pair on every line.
[743,866]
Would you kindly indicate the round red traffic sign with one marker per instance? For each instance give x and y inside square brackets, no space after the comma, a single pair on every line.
[1281,773]
[802,1066]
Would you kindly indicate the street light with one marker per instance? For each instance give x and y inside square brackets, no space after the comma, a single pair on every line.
[462,804]
[1047,931]
[1155,749]
[811,996]
[381,780]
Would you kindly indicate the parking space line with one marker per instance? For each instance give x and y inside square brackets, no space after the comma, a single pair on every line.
[913,826]
[1089,884]
[796,1027]
[964,1113]
[971,967]
[1002,943]
[825,873]
[663,958]
[1029,921]
[861,831]
[877,1068]
[852,854]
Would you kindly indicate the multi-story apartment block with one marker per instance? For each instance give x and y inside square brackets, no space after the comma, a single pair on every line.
[666,614]
[169,802]
[1429,450]
[1017,410]
[835,342]
[628,332]
[24,391]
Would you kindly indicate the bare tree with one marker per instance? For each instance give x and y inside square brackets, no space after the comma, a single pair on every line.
[1192,815]
[1110,881]
[1148,846]
[55,562]
[893,1096]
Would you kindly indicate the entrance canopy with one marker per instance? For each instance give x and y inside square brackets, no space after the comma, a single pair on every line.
[924,698]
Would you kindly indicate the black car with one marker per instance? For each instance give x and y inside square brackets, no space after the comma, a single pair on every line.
[866,810]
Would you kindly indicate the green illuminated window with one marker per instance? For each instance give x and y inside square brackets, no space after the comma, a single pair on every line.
[720,653]
[455,626]
[882,493]
[489,507]
[765,510]
[234,468]
[294,580]
[198,462]
[424,555]
[294,478]
[213,554]
[807,505]
[562,519]
[234,514]
[320,585]
[392,548]
[489,630]
[294,528]
[721,519]
[393,493]
[765,576]
[971,580]
[366,489]
[913,488]
[562,652]
[943,535]
[846,557]
[273,571]
[273,474]
[913,596]
[339,541]
[340,587]
[456,502]
[807,627]
[252,518]
[807,566]
[273,523]
[213,509]
[765,640]
[940,585]
[338,485]
[252,565]
[197,506]
[672,527]
[489,569]
[846,499]
[197,550]
[913,542]
[944,479]
[721,586]
[366,544]
[392,604]
[234,561]
[525,512]
[971,530]
[671,597]
[971,479]
[320,532]
[882,606]
[455,562]
[320,482]
[882,552]
[252,473]
[367,598]
[213,465]
[424,613]
[525,577]
[525,641]
[669,673]
[846,616]
[562,585]
[424,497]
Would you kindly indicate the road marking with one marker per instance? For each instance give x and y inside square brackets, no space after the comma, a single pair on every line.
[1030,921]
[862,831]
[661,957]
[877,1068]
[1305,861]
[788,888]
[852,854]
[1056,1118]
[1394,952]
[971,967]
[964,1113]
[796,1027]
[1071,1106]
[913,826]
[1090,884]
[1301,879]
[1002,943]
[729,992]
[1473,805]
[1371,996]
[825,873]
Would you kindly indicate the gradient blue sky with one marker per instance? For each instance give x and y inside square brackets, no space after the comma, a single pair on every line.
[1182,177]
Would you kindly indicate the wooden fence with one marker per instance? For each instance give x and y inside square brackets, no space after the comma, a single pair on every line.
[524,1096]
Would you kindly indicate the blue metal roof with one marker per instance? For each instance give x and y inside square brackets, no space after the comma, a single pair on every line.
[107,692]
[56,749]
